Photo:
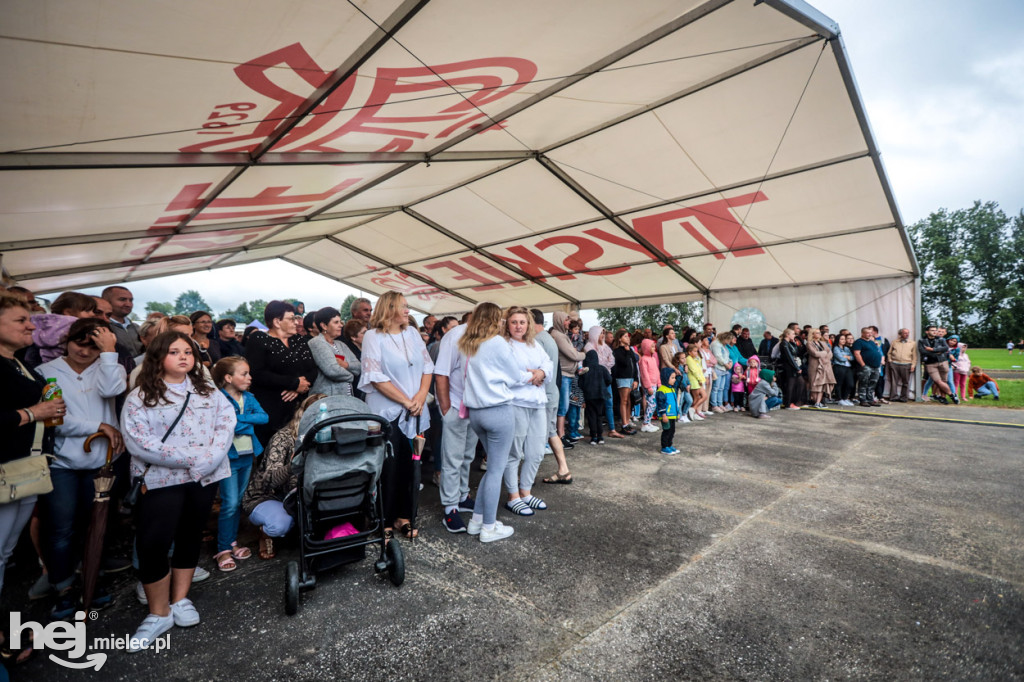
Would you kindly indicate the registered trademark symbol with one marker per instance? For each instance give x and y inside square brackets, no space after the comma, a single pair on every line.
[93,615]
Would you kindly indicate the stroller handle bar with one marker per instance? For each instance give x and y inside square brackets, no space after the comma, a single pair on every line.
[309,439]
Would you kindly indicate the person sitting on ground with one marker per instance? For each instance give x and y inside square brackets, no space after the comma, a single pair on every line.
[271,481]
[982,384]
[765,395]
[667,408]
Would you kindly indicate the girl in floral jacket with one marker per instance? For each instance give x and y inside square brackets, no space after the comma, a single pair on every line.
[178,428]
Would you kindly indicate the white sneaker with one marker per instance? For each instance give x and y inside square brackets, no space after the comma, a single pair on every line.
[548,450]
[200,575]
[697,417]
[184,613]
[140,594]
[683,419]
[474,528]
[649,428]
[705,414]
[500,532]
[152,627]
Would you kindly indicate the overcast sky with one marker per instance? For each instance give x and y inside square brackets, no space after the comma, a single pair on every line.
[943,85]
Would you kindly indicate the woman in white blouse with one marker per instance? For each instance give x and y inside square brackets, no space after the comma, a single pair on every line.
[491,374]
[396,372]
[529,402]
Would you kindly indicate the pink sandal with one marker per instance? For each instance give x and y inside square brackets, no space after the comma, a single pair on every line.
[240,552]
[225,563]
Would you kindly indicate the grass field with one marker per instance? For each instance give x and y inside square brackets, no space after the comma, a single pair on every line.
[1011,394]
[995,358]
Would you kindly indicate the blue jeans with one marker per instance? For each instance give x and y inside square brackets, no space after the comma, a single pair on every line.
[572,421]
[772,401]
[988,389]
[564,387]
[685,401]
[718,389]
[231,491]
[609,408]
[65,513]
[272,517]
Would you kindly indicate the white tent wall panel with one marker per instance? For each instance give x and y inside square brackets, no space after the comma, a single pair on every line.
[733,129]
[94,277]
[871,254]
[511,203]
[399,234]
[164,66]
[28,262]
[219,240]
[316,228]
[419,182]
[69,203]
[887,303]
[723,40]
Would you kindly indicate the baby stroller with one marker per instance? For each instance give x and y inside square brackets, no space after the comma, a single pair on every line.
[339,455]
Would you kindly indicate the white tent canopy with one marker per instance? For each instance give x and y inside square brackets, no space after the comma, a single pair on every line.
[538,153]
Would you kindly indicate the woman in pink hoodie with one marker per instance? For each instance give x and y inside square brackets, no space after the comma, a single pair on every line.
[596,343]
[650,379]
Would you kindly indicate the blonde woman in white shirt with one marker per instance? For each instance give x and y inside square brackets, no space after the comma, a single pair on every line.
[530,404]
[396,372]
[491,373]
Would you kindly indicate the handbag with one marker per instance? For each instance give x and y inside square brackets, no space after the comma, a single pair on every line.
[26,476]
[636,395]
[132,496]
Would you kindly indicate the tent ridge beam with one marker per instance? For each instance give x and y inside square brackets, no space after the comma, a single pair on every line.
[640,43]
[22,161]
[800,11]
[398,268]
[136,262]
[796,45]
[494,259]
[571,183]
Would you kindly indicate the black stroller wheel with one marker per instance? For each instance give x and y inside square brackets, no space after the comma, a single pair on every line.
[291,588]
[396,563]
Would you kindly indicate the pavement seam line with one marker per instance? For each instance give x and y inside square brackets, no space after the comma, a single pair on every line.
[889,550]
[702,554]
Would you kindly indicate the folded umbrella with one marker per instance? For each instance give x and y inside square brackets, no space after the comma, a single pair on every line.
[103,482]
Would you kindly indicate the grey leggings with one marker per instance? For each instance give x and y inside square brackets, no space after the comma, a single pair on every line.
[495,427]
[527,448]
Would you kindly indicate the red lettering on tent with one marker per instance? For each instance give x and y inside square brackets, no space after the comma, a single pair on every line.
[463,273]
[482,80]
[715,217]
[401,282]
[587,251]
[488,269]
[533,264]
[623,242]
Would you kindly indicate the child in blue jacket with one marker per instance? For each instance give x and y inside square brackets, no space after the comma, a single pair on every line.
[232,377]
[666,406]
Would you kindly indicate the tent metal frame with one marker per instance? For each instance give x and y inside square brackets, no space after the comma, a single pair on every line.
[821,27]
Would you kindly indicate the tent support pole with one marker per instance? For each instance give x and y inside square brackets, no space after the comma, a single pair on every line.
[918,325]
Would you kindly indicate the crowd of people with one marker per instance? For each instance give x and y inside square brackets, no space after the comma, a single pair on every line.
[206,410]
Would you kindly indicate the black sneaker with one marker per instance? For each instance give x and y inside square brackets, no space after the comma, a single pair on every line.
[467,505]
[942,399]
[453,523]
[600,441]
[956,401]
[63,608]
[575,439]
[115,565]
[567,444]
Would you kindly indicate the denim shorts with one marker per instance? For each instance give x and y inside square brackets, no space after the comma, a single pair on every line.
[564,388]
[624,383]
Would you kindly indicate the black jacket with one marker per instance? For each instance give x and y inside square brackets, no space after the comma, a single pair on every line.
[624,367]
[596,379]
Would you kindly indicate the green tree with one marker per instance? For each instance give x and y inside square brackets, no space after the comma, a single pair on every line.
[189,302]
[245,313]
[679,315]
[158,307]
[346,305]
[994,270]
[940,242]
